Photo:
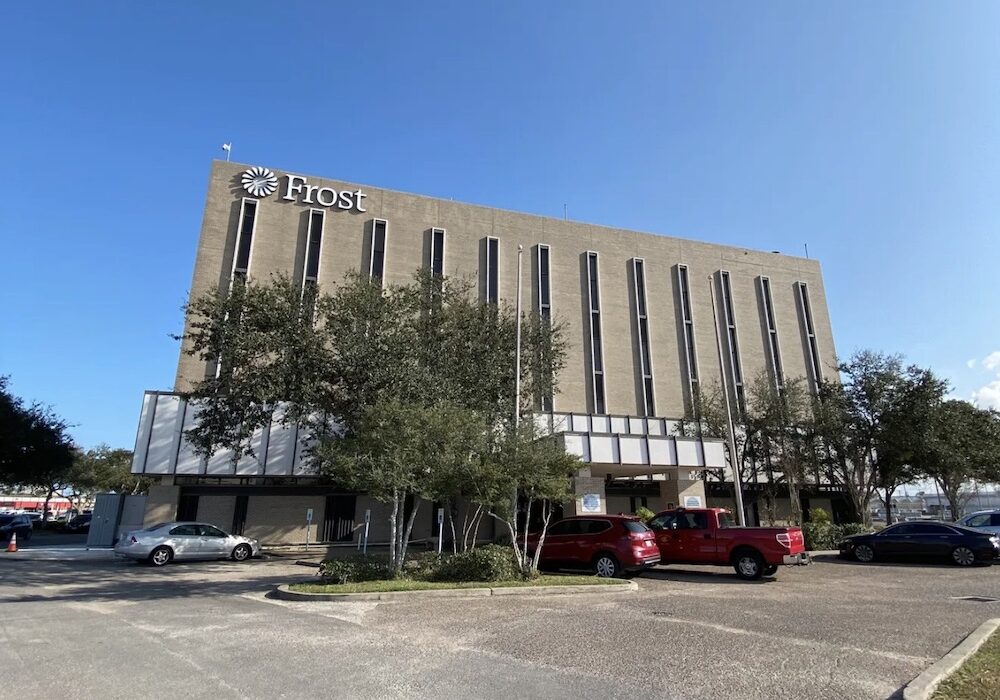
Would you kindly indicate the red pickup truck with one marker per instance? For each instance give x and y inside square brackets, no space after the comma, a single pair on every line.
[711,536]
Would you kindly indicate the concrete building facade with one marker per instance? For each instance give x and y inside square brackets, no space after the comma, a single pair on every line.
[638,310]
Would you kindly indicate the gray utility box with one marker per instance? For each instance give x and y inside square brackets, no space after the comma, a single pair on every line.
[114,513]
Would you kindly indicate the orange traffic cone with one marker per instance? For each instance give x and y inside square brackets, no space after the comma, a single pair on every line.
[12,545]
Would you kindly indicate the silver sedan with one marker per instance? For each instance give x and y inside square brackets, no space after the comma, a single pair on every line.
[164,542]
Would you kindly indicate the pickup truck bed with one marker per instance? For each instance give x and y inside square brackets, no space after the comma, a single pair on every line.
[709,536]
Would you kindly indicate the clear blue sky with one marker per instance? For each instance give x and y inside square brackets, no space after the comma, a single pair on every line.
[869,131]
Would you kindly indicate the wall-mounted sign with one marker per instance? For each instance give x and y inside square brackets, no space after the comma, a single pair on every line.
[261,182]
[692,501]
[590,503]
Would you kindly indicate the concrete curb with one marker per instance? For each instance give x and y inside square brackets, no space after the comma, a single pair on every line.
[283,593]
[924,685]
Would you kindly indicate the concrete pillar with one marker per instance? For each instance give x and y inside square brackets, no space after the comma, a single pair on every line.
[589,496]
[161,504]
[678,491]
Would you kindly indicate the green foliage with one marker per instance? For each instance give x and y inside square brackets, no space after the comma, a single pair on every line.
[848,529]
[106,469]
[353,568]
[488,563]
[818,516]
[644,514]
[874,426]
[35,446]
[819,536]
[963,444]
[408,390]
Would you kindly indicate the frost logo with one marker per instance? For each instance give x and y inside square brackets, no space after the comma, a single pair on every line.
[260,182]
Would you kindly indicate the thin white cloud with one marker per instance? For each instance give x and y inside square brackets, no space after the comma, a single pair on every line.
[992,361]
[970,363]
[988,396]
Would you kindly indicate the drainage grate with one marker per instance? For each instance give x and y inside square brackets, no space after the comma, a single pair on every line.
[661,613]
[976,598]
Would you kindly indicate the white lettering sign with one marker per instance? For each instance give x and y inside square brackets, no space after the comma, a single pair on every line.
[298,189]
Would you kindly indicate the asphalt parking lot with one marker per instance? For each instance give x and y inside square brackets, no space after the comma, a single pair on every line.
[832,630]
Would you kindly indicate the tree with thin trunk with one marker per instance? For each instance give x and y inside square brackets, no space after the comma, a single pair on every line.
[35,447]
[522,468]
[964,445]
[336,361]
[871,425]
[400,453]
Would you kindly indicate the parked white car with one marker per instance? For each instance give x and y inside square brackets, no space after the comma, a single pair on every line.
[986,520]
[165,542]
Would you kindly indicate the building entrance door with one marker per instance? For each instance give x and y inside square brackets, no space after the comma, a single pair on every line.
[338,518]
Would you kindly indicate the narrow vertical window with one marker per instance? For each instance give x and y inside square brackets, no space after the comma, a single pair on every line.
[812,350]
[642,331]
[492,286]
[244,239]
[544,294]
[376,270]
[596,345]
[733,342]
[314,245]
[687,321]
[437,251]
[774,349]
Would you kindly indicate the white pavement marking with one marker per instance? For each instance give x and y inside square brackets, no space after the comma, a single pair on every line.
[155,635]
[353,613]
[797,641]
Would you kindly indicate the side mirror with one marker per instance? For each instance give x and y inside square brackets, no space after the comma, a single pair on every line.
[673,525]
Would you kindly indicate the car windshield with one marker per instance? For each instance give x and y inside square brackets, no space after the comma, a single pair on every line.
[635,526]
[6,519]
[155,527]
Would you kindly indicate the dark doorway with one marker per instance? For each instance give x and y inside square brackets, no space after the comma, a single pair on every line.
[338,519]
[240,514]
[187,507]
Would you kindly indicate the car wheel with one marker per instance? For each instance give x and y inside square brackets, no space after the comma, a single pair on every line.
[606,566]
[963,556]
[161,556]
[864,553]
[770,570]
[242,552]
[749,565]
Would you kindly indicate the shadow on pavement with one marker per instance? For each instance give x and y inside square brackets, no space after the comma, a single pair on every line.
[722,576]
[834,559]
[33,581]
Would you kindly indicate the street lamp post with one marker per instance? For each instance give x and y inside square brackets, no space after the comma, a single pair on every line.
[737,481]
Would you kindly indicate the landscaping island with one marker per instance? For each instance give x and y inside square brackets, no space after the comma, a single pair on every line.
[414,585]
[979,677]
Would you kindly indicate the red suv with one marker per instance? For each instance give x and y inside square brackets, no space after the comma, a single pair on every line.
[607,544]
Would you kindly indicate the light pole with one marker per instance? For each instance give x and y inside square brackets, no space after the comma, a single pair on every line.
[517,344]
[737,482]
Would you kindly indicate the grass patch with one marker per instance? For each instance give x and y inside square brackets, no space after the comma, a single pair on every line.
[405,584]
[978,678]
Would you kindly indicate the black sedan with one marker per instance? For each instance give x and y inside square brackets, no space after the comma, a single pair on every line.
[924,541]
[15,524]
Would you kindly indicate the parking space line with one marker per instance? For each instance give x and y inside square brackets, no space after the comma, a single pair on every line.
[797,641]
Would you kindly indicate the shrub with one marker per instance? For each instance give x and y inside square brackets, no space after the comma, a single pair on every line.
[354,568]
[828,535]
[818,515]
[644,514]
[819,535]
[424,565]
[855,529]
[491,562]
